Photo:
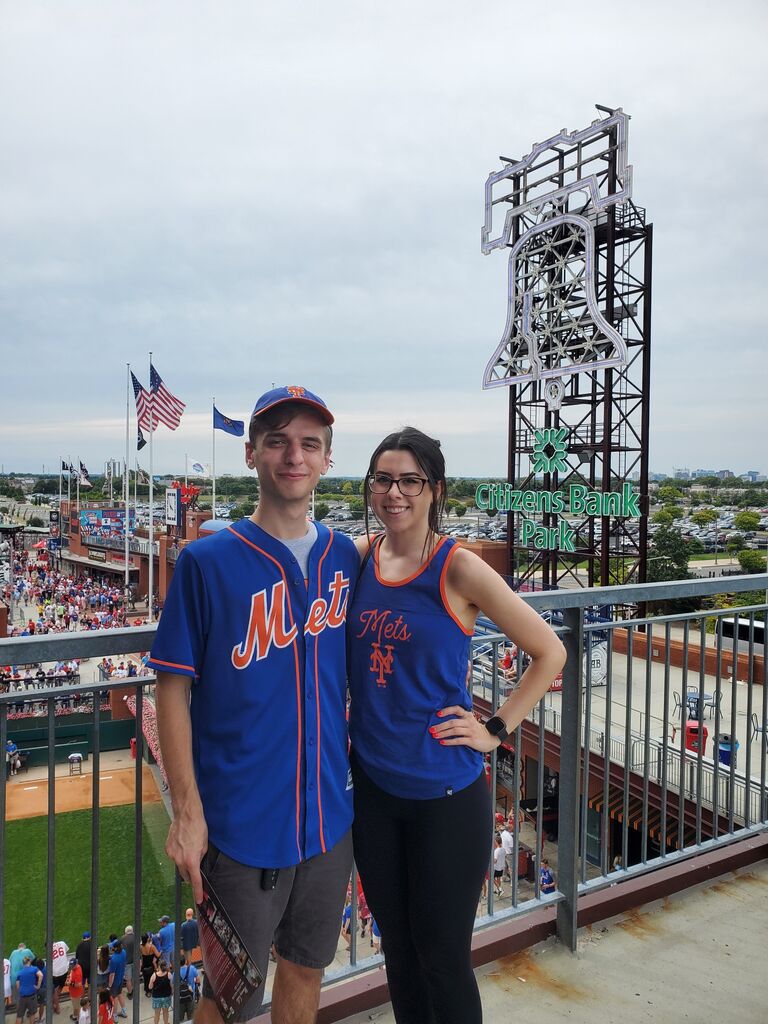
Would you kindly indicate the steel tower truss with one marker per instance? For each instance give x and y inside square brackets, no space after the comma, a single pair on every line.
[575,351]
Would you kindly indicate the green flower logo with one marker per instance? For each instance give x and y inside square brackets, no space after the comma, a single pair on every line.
[550,450]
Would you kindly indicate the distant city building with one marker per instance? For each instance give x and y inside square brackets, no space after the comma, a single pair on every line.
[725,474]
[752,475]
[698,473]
[681,474]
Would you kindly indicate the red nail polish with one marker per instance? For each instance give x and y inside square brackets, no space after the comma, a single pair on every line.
[442,743]
[439,714]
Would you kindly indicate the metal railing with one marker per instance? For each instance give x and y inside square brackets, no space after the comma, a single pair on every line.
[601,760]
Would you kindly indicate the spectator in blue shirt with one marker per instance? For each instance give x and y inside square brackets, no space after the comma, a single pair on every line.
[116,974]
[28,981]
[166,937]
[546,878]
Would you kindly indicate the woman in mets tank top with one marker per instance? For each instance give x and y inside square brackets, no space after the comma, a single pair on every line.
[422,807]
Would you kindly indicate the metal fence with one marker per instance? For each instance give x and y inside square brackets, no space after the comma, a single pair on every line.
[623,782]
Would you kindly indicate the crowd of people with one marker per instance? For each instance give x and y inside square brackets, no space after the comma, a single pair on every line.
[121,964]
[43,600]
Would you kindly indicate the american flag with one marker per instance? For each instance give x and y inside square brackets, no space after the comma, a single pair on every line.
[142,406]
[166,408]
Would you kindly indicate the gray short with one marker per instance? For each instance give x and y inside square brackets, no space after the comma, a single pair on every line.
[301,915]
[26,1005]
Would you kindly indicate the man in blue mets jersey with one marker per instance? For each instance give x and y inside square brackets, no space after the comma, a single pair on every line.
[250,656]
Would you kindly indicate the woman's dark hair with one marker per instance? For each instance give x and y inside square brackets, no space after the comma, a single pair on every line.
[103,958]
[426,450]
[144,938]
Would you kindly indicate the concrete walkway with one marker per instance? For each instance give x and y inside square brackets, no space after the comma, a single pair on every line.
[697,956]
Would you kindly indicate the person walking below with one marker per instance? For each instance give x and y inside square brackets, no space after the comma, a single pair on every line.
[150,956]
[498,866]
[162,992]
[28,984]
[116,975]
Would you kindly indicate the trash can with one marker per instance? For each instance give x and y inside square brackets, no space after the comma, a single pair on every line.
[133,747]
[692,736]
[727,748]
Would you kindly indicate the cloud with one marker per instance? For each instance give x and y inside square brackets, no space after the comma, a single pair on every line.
[293,193]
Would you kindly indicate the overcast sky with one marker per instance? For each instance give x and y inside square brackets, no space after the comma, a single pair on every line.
[292,192]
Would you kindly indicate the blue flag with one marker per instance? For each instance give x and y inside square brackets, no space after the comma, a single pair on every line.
[222,422]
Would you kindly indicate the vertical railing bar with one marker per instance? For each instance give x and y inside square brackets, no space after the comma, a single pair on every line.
[647,739]
[718,717]
[734,683]
[764,741]
[586,748]
[683,752]
[570,744]
[665,738]
[50,903]
[4,777]
[513,881]
[353,916]
[174,964]
[540,801]
[700,757]
[95,846]
[494,707]
[138,989]
[750,684]
[607,731]
[627,749]
[516,809]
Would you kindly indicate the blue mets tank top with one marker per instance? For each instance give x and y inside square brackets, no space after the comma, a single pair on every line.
[408,657]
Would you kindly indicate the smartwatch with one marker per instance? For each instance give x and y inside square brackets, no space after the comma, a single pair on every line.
[497,727]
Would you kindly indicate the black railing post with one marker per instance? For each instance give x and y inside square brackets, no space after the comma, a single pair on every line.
[570,775]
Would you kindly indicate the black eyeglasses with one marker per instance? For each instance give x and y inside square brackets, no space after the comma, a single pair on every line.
[409,486]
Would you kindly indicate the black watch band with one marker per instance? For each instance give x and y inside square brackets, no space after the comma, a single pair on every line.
[496,727]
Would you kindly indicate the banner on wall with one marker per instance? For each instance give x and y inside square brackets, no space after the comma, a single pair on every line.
[106,522]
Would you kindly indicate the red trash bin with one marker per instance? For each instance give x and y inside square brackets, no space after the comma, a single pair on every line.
[692,736]
[133,747]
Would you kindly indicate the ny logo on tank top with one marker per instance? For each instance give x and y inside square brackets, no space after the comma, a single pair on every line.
[271,625]
[380,625]
[381,663]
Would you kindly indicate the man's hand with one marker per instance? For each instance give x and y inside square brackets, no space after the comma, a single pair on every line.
[186,845]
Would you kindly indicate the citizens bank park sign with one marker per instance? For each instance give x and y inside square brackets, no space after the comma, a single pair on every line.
[550,450]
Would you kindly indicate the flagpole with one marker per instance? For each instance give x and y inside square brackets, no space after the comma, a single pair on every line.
[150,595]
[126,480]
[213,462]
[186,470]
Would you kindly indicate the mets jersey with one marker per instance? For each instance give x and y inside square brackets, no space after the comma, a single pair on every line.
[408,659]
[266,651]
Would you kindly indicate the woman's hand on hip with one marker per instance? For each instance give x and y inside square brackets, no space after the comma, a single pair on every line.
[463,730]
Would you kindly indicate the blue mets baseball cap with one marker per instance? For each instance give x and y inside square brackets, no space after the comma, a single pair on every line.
[292,393]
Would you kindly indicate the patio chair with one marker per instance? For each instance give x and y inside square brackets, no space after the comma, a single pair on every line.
[677,709]
[756,728]
[713,704]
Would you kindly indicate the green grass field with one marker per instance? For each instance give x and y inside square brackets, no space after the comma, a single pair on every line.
[26,873]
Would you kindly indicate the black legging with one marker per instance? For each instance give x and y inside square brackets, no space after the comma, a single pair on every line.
[422,865]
